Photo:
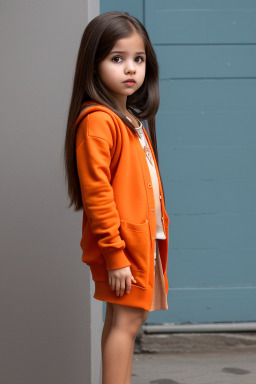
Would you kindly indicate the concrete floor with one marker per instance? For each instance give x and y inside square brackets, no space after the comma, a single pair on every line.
[236,367]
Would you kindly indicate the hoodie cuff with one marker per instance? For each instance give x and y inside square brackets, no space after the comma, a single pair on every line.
[116,259]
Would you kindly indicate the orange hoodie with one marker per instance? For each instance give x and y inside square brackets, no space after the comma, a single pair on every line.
[119,219]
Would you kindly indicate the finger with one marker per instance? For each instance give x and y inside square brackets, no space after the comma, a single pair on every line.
[133,279]
[128,284]
[117,287]
[122,287]
[113,283]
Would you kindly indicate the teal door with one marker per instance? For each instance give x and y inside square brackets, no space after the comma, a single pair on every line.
[207,149]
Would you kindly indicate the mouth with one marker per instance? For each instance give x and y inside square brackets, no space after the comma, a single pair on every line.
[129,82]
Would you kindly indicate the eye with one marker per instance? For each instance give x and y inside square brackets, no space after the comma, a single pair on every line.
[117,59]
[139,59]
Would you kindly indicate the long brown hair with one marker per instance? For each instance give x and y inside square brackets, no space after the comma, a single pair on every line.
[98,39]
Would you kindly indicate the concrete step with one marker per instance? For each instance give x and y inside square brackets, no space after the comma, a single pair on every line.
[182,343]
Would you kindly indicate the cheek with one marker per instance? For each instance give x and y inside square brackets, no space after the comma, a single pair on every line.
[103,71]
[108,73]
[143,72]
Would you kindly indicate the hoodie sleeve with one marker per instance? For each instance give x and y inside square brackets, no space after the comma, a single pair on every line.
[93,156]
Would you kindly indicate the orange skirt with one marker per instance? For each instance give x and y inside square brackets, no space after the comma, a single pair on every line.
[159,296]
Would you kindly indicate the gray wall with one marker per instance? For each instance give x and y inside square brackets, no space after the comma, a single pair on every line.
[50,324]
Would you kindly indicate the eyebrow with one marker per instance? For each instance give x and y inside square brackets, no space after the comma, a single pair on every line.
[136,53]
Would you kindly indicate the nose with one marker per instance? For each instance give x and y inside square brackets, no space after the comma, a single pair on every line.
[130,67]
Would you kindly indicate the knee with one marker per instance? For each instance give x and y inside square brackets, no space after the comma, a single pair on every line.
[145,316]
[129,329]
[133,327]
[129,321]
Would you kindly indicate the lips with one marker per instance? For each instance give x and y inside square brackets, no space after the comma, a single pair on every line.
[130,81]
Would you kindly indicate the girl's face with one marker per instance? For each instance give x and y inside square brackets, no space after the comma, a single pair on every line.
[123,69]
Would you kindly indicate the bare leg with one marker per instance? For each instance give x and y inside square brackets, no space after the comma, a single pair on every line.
[117,347]
[129,370]
[106,328]
[107,324]
[105,332]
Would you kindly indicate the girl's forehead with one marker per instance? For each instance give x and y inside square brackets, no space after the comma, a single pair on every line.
[133,42]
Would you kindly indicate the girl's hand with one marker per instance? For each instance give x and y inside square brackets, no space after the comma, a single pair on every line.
[120,280]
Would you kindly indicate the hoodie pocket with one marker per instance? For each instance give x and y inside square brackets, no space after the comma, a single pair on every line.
[137,240]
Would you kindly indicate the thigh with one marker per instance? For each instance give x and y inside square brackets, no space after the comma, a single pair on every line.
[109,313]
[110,309]
[145,315]
[128,318]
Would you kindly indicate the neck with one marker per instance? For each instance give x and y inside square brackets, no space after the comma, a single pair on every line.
[121,105]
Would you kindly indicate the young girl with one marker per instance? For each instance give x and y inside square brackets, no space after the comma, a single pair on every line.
[113,175]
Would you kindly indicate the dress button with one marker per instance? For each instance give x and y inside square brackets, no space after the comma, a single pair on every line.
[160,197]
[152,209]
[149,185]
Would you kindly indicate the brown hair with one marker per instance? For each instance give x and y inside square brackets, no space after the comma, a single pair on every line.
[98,39]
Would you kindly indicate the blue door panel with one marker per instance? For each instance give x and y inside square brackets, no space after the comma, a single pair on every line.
[206,61]
[201,22]
[134,7]
[207,306]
